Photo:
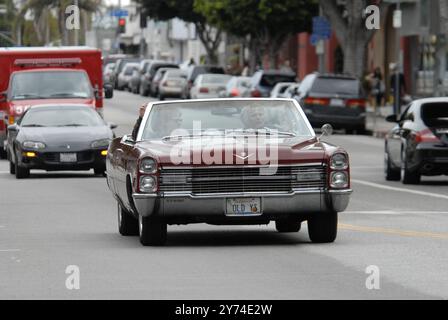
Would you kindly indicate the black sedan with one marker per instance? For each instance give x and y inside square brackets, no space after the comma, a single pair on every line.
[58,137]
[418,144]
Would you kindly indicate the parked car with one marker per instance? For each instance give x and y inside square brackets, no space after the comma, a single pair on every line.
[172,84]
[208,86]
[236,87]
[125,75]
[167,177]
[148,76]
[107,72]
[292,91]
[194,71]
[337,99]
[134,83]
[157,78]
[279,90]
[119,65]
[58,137]
[418,145]
[263,81]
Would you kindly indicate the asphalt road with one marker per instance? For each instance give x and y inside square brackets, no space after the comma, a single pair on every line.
[54,220]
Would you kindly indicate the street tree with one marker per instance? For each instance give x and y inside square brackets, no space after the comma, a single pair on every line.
[348,20]
[164,10]
[267,23]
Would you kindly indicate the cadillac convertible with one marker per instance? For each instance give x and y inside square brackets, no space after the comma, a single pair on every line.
[227,162]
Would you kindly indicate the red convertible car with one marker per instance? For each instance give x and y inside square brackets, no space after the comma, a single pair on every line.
[227,162]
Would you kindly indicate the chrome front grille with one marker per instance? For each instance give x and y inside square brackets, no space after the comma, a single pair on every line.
[211,180]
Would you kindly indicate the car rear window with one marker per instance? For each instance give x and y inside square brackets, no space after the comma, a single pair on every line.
[435,114]
[337,86]
[216,79]
[201,70]
[272,79]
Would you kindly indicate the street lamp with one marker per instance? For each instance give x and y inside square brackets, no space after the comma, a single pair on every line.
[397,25]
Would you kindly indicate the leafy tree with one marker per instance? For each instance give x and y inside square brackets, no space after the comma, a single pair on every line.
[184,9]
[5,23]
[268,23]
[348,22]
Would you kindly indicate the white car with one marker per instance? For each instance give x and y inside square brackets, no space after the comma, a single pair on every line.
[125,75]
[208,86]
[280,89]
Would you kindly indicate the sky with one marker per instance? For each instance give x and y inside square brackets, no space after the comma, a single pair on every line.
[115,2]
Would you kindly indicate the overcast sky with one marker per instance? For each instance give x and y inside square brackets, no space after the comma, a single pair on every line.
[115,2]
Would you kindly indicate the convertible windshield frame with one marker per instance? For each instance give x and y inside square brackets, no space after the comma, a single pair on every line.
[150,106]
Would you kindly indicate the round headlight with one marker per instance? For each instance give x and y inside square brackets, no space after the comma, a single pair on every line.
[148,184]
[339,180]
[148,165]
[339,161]
[33,145]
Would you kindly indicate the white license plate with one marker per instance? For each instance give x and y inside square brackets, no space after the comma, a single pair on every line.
[68,157]
[337,103]
[243,206]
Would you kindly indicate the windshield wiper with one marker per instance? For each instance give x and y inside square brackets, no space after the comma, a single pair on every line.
[65,94]
[72,125]
[26,96]
[265,131]
[33,125]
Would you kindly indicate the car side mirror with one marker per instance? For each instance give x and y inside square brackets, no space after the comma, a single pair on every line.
[112,125]
[392,118]
[128,139]
[108,91]
[327,130]
[13,128]
[3,96]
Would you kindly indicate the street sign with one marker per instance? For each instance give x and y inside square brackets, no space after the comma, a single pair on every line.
[321,28]
[119,13]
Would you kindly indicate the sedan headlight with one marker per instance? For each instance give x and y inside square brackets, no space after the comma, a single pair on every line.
[148,165]
[148,184]
[33,145]
[339,161]
[103,143]
[339,180]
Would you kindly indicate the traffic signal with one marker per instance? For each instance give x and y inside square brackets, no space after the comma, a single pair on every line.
[122,25]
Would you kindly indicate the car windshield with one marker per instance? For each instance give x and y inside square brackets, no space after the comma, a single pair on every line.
[61,116]
[50,84]
[435,114]
[225,117]
[338,86]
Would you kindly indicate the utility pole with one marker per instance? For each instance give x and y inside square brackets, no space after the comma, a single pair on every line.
[397,91]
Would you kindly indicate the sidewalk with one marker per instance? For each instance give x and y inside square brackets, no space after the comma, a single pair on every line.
[377,125]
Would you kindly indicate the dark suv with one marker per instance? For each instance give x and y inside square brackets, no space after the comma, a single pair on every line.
[333,98]
[263,81]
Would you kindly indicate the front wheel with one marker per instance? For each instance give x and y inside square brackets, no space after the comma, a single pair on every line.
[21,172]
[127,224]
[99,171]
[3,153]
[323,227]
[12,167]
[152,231]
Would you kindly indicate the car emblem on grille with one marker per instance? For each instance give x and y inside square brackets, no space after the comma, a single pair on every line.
[243,156]
[68,147]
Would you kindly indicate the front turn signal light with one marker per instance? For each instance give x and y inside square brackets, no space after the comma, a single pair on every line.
[104,153]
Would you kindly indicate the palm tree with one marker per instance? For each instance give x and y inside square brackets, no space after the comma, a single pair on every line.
[42,10]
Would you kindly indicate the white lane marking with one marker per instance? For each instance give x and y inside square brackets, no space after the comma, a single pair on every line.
[9,250]
[420,193]
[4,172]
[393,212]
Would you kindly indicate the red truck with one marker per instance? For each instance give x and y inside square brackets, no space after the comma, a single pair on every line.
[46,75]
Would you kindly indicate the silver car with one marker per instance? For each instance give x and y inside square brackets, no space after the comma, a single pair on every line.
[208,86]
[125,75]
[172,84]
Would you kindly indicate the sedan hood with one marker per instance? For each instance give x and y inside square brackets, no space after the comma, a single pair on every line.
[57,138]
[234,150]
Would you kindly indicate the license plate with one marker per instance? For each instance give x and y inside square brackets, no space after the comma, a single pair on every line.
[337,103]
[243,206]
[68,157]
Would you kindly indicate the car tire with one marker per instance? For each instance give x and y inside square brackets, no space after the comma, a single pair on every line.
[99,171]
[127,224]
[3,153]
[152,231]
[288,226]
[143,92]
[390,173]
[407,176]
[21,172]
[12,167]
[323,227]
[161,98]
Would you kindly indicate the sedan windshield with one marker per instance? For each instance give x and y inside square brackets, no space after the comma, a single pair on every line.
[226,117]
[50,84]
[61,116]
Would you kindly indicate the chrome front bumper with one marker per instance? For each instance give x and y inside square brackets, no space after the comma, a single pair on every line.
[188,205]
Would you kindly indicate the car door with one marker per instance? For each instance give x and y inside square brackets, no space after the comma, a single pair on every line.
[399,134]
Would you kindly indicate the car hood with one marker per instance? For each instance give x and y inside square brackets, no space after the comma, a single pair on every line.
[238,150]
[57,138]
[18,107]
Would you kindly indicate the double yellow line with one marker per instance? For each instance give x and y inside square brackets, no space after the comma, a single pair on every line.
[397,232]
